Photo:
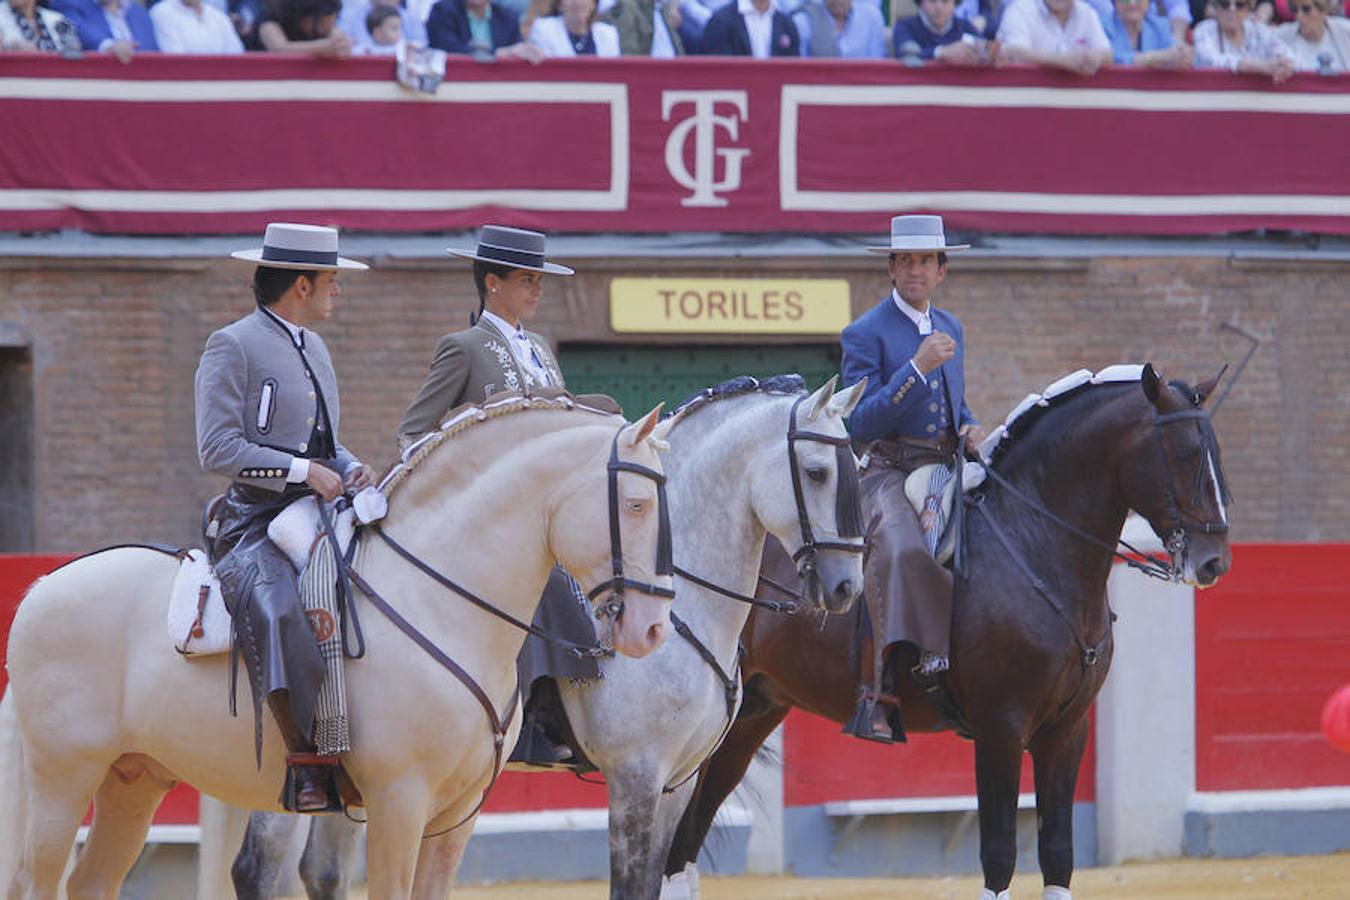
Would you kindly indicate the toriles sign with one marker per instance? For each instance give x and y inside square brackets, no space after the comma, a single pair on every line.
[641,145]
[729,306]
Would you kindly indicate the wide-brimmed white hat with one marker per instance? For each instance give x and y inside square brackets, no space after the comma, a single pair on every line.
[514,247]
[911,233]
[290,246]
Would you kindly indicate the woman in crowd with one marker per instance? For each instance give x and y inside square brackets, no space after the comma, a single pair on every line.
[1319,43]
[26,27]
[1233,40]
[304,26]
[571,30]
[1141,37]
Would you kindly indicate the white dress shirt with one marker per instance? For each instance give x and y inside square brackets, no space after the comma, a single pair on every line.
[1031,25]
[922,321]
[550,34]
[759,25]
[525,355]
[181,29]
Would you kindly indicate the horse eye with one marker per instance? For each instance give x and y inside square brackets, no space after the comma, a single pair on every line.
[636,506]
[818,474]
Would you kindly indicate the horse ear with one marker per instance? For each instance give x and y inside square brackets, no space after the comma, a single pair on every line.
[642,429]
[1204,389]
[1152,383]
[843,402]
[661,433]
[821,398]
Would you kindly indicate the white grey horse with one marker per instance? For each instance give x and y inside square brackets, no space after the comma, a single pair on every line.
[648,727]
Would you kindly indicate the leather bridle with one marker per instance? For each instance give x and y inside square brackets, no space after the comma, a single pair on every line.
[614,606]
[1177,523]
[805,557]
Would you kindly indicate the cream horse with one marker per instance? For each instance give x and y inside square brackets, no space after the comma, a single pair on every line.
[650,725]
[100,706]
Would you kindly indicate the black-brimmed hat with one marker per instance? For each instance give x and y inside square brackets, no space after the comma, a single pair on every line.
[514,247]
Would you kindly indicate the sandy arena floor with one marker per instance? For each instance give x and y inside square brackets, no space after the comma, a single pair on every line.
[1267,878]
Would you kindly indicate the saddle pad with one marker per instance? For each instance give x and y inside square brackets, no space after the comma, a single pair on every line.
[297,527]
[930,490]
[198,625]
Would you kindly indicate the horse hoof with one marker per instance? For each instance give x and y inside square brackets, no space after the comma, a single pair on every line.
[987,894]
[1055,892]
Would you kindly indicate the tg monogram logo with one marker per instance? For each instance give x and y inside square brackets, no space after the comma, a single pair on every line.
[705,123]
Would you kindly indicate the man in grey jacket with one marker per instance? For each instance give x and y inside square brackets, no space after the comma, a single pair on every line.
[267,419]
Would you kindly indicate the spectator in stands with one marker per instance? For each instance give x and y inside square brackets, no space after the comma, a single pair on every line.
[246,15]
[846,28]
[480,28]
[191,26]
[1141,37]
[26,27]
[1060,34]
[647,27]
[355,17]
[571,30]
[1176,13]
[119,27]
[304,26]
[1233,40]
[938,33]
[384,31]
[751,28]
[1318,43]
[985,15]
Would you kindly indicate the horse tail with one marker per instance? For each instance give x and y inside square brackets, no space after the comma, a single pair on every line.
[13,797]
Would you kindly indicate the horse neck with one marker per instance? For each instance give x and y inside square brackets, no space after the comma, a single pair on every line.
[717,534]
[1073,470]
[479,517]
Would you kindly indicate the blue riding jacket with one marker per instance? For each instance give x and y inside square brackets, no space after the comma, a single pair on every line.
[898,402]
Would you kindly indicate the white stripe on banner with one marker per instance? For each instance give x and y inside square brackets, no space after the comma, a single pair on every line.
[795,96]
[615,199]
[1068,204]
[612,199]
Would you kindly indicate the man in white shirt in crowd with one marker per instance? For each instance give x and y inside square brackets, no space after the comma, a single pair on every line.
[751,28]
[1061,34]
[192,26]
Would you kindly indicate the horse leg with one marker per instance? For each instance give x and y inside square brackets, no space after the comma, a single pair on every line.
[438,863]
[123,807]
[1056,756]
[326,864]
[257,867]
[634,792]
[669,812]
[721,773]
[397,817]
[56,802]
[998,771]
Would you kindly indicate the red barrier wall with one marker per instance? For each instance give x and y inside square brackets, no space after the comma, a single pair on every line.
[1272,643]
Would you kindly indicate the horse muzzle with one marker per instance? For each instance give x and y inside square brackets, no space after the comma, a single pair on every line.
[635,623]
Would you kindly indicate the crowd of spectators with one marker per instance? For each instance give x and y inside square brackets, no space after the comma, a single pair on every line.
[1270,37]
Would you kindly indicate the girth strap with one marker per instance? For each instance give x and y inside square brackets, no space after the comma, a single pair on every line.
[731,686]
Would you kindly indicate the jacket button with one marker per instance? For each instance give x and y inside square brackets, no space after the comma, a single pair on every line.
[933,384]
[932,429]
[896,399]
[311,395]
[302,447]
[932,407]
[309,421]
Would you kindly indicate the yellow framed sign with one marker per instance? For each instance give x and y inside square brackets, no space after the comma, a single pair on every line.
[729,305]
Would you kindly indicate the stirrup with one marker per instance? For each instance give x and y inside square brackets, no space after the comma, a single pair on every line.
[329,766]
[876,718]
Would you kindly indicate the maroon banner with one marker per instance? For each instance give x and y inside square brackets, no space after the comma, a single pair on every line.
[216,145]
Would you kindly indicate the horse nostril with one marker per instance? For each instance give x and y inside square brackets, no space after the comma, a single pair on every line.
[844,590]
[656,634]
[1211,571]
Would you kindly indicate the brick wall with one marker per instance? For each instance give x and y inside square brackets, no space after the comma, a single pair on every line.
[115,345]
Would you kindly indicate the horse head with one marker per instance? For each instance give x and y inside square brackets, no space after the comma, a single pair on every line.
[809,498]
[1175,478]
[629,581]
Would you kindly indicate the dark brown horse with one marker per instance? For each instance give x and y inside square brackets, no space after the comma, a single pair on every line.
[1031,630]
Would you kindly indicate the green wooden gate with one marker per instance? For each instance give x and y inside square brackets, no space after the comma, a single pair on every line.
[639,376]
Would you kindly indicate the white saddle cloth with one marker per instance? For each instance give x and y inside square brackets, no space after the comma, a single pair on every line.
[199,624]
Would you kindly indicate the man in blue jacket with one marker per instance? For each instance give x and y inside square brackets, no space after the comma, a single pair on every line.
[119,27]
[912,414]
[751,28]
[480,28]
